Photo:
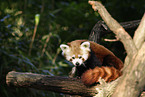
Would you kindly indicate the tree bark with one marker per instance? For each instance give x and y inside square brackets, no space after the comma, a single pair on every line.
[132,81]
[100,29]
[58,84]
[117,29]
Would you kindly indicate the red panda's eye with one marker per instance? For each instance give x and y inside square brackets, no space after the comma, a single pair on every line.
[80,57]
[70,60]
[73,57]
[83,59]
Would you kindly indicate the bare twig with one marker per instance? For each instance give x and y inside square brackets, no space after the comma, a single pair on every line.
[37,17]
[112,40]
[33,37]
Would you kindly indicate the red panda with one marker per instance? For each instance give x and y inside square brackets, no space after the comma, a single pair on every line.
[92,61]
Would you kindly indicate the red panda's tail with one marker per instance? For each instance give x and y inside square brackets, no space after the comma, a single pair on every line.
[92,76]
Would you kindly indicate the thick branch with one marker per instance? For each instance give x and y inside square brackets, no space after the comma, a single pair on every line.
[139,36]
[133,80]
[51,83]
[122,35]
[101,29]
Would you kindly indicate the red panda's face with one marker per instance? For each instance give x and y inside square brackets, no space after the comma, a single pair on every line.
[77,54]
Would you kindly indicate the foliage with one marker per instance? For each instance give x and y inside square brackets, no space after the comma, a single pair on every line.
[60,22]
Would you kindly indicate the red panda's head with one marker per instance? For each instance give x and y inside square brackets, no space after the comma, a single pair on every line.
[76,52]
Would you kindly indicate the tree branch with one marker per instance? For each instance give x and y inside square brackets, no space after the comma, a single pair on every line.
[132,81]
[122,35]
[58,84]
[139,36]
[101,29]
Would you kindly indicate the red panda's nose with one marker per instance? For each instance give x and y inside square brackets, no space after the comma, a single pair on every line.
[77,63]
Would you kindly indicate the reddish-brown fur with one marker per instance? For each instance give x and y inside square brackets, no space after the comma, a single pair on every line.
[92,76]
[110,70]
[100,51]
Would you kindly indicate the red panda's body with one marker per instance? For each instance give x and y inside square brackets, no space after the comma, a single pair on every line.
[93,61]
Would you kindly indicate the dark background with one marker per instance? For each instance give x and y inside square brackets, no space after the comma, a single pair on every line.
[61,21]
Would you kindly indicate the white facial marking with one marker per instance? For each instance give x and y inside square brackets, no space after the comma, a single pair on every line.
[68,58]
[82,57]
[85,56]
[77,61]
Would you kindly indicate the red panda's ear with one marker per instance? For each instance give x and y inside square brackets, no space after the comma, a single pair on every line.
[85,45]
[64,47]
